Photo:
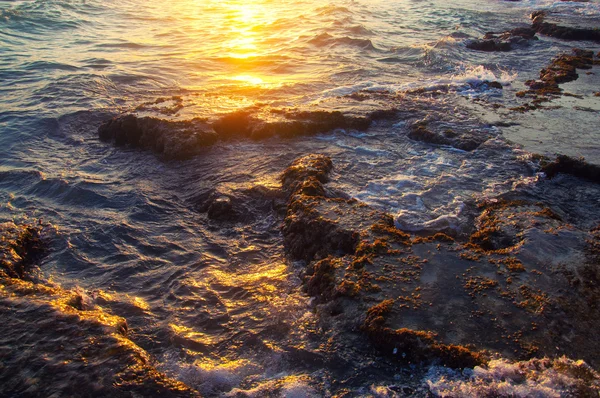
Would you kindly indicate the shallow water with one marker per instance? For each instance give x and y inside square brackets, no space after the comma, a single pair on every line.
[219,306]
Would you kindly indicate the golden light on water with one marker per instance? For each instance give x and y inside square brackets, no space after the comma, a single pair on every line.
[244,22]
[248,79]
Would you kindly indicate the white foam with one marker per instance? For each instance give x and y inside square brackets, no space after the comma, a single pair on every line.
[543,378]
[212,378]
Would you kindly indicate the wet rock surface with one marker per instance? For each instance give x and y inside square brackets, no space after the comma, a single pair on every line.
[568,165]
[464,140]
[562,69]
[504,41]
[541,26]
[95,351]
[511,287]
[183,139]
[21,246]
[239,203]
[174,140]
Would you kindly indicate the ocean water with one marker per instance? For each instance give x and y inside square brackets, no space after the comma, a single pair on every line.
[220,307]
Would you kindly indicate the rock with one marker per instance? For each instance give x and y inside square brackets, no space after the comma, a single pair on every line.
[172,139]
[183,139]
[21,247]
[562,69]
[433,299]
[494,84]
[502,41]
[221,208]
[568,165]
[466,141]
[307,235]
[308,123]
[489,45]
[307,174]
[562,32]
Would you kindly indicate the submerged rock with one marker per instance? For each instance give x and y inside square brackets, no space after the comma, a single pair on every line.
[304,236]
[50,333]
[183,139]
[502,41]
[562,32]
[515,286]
[562,69]
[465,141]
[239,202]
[174,140]
[21,247]
[568,165]
[220,207]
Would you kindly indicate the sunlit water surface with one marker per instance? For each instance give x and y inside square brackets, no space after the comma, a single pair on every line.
[219,306]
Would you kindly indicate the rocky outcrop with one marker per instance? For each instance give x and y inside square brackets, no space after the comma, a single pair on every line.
[173,140]
[244,124]
[50,333]
[568,165]
[433,299]
[21,247]
[562,32]
[466,141]
[339,239]
[502,41]
[306,236]
[183,139]
[239,203]
[562,69]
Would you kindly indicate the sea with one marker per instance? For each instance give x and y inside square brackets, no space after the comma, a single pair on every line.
[219,308]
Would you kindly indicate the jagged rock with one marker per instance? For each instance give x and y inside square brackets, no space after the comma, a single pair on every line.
[307,235]
[562,69]
[238,202]
[568,165]
[307,174]
[21,247]
[174,140]
[502,41]
[220,208]
[182,139]
[489,45]
[562,32]
[433,299]
[466,142]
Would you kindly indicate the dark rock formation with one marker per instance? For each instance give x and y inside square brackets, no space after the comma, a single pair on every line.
[174,140]
[305,236]
[502,41]
[489,45]
[568,165]
[220,208]
[21,247]
[243,124]
[433,299]
[562,69]
[562,32]
[182,139]
[238,203]
[467,142]
[306,172]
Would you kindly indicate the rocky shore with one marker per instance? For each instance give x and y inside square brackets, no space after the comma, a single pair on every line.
[64,334]
[440,299]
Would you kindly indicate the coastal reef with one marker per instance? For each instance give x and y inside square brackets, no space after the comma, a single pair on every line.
[183,139]
[510,287]
[40,316]
[563,32]
[562,69]
[504,41]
